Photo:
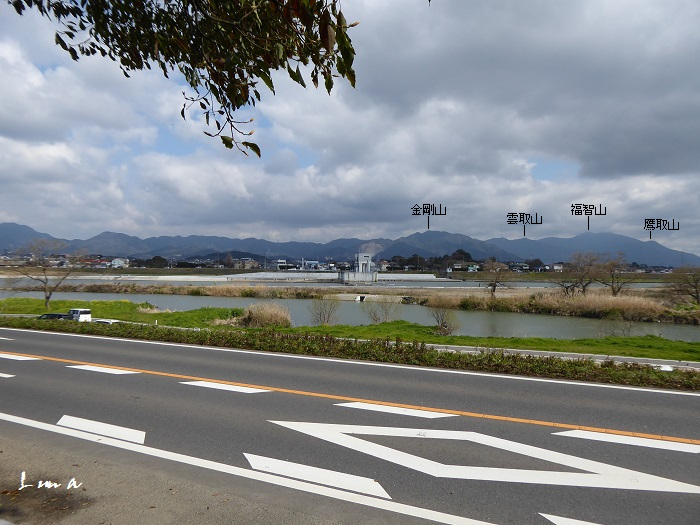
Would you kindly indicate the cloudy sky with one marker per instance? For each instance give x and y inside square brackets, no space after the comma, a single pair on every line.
[483,107]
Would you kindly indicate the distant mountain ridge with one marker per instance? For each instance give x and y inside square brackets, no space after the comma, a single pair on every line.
[426,244]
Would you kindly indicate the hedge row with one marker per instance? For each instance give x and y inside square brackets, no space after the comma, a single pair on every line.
[387,351]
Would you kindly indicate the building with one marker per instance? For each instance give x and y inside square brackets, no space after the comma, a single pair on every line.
[120,262]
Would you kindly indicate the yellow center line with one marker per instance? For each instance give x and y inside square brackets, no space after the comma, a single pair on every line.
[374,402]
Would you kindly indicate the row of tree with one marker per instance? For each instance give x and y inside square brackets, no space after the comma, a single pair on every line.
[582,271]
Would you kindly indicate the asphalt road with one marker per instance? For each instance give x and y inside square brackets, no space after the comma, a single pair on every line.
[307,440]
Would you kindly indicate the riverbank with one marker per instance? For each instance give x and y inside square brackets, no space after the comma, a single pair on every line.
[653,347]
[639,304]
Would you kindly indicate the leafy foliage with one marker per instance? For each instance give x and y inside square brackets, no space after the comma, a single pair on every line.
[223,48]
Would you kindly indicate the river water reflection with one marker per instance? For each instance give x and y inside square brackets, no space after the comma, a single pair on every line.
[482,324]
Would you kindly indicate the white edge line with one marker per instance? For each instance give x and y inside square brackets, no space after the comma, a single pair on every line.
[222,386]
[427,414]
[367,363]
[332,478]
[103,429]
[631,440]
[6,376]
[342,495]
[103,369]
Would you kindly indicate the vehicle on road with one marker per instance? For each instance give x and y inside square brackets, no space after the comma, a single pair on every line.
[82,315]
[55,316]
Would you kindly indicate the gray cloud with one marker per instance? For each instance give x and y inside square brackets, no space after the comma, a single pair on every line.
[464,104]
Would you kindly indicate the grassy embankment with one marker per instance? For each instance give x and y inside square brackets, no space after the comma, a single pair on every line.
[387,351]
[123,311]
[649,346]
[220,319]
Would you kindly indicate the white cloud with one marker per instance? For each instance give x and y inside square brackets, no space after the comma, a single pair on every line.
[485,108]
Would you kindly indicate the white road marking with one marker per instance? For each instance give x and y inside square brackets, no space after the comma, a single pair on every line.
[599,475]
[6,376]
[103,369]
[630,440]
[396,410]
[558,520]
[6,339]
[348,362]
[103,429]
[221,386]
[18,357]
[369,501]
[321,476]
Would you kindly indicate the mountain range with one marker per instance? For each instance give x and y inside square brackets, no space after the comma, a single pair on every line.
[426,244]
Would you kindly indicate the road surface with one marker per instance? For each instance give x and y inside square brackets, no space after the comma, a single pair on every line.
[164,433]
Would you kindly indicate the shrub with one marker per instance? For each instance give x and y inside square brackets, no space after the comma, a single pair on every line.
[266,314]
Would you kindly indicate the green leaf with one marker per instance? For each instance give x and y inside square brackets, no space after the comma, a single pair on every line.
[253,146]
[350,74]
[60,42]
[300,78]
[280,50]
[295,75]
[228,141]
[268,81]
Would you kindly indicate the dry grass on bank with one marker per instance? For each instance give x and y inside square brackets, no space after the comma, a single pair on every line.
[593,304]
[266,314]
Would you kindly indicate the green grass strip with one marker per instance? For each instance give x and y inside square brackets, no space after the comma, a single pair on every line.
[648,346]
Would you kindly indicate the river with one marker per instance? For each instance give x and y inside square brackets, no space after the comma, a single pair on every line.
[481,324]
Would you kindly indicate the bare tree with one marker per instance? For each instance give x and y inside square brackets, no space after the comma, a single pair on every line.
[383,310]
[686,282]
[581,273]
[445,317]
[47,266]
[323,311]
[496,274]
[611,273]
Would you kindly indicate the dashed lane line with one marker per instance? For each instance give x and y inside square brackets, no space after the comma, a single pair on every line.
[102,369]
[336,397]
[18,357]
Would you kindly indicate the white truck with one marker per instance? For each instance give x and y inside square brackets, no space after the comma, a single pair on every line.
[82,315]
